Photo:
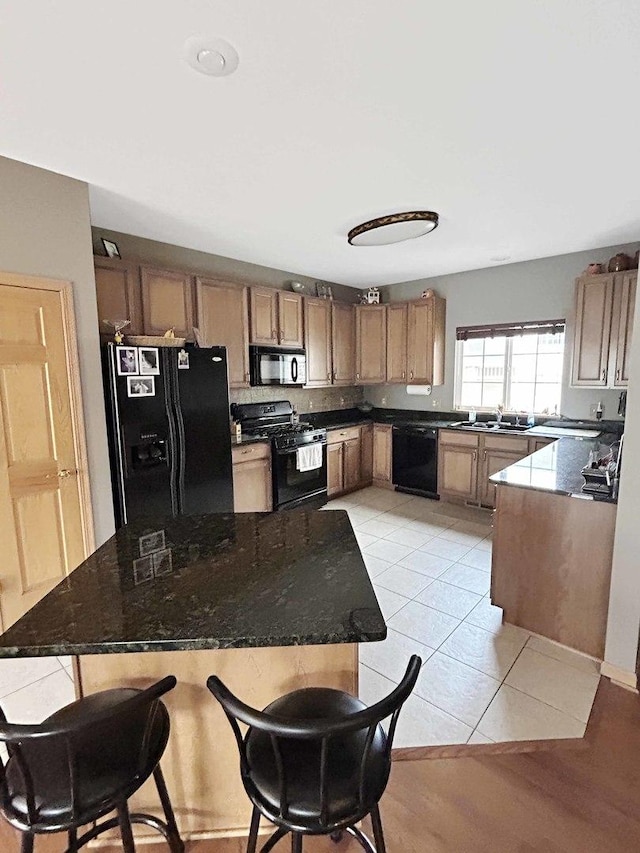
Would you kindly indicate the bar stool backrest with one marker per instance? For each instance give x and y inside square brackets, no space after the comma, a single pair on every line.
[64,756]
[318,730]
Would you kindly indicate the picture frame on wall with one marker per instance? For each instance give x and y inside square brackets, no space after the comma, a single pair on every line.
[323,290]
[110,248]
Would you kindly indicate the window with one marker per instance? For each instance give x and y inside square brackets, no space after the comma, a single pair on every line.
[517,366]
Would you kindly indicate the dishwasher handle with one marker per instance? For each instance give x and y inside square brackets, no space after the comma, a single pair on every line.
[424,432]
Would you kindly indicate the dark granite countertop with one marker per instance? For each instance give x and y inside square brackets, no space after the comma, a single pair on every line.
[557,468]
[209,582]
[248,439]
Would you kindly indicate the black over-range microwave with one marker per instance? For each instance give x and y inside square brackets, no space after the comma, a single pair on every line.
[271,366]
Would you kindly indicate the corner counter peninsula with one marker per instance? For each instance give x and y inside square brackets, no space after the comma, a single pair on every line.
[269,602]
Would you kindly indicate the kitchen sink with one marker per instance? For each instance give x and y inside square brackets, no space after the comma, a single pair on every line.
[494,426]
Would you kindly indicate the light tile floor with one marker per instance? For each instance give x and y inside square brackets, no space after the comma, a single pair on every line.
[429,562]
[481,681]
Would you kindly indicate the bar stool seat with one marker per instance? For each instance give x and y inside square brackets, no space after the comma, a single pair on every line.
[85,761]
[301,761]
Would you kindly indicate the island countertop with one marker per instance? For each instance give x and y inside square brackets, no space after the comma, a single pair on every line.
[219,581]
[556,468]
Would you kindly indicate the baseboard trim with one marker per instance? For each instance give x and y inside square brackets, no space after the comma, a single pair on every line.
[619,676]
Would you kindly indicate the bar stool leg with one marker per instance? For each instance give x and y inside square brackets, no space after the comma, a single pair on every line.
[378,835]
[176,843]
[296,842]
[125,828]
[73,841]
[26,843]
[253,831]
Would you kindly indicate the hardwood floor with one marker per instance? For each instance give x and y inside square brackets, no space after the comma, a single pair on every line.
[568,798]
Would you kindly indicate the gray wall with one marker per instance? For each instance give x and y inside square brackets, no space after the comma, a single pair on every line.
[202,263]
[44,230]
[534,290]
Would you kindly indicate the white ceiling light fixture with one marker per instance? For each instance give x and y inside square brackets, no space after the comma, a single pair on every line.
[394,228]
[212,56]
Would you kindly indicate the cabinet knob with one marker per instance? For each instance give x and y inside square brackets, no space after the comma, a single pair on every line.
[282,334]
[328,376]
[617,374]
[475,455]
[411,375]
[604,374]
[357,376]
[274,336]
[403,374]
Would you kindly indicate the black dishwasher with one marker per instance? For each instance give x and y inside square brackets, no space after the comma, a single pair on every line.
[415,460]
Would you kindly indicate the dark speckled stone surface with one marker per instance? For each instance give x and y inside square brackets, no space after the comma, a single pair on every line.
[209,582]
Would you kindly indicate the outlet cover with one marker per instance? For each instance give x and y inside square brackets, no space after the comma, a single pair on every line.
[436,404]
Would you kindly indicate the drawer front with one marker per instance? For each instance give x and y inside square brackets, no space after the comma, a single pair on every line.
[517,444]
[249,452]
[462,439]
[335,436]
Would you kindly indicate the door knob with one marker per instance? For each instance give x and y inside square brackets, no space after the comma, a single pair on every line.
[65,473]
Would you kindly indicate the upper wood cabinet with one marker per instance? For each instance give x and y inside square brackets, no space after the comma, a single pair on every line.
[317,340]
[167,302]
[276,317]
[397,342]
[118,295]
[603,330]
[343,343]
[223,320]
[425,341]
[371,344]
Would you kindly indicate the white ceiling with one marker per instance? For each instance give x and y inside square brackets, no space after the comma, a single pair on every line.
[516,121]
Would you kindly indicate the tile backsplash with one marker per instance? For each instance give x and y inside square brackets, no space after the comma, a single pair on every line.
[303,399]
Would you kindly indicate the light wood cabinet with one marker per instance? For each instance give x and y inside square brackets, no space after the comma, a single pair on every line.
[382,454]
[343,343]
[223,321]
[167,302]
[276,317]
[366,453]
[425,341]
[118,295]
[344,460]
[458,465]
[397,342]
[497,452]
[317,336]
[603,330]
[252,483]
[371,344]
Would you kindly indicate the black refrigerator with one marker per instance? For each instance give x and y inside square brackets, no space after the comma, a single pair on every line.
[169,436]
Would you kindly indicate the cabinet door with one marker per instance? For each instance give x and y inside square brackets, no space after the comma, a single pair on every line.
[352,475]
[539,443]
[382,453]
[594,299]
[118,295]
[263,328]
[343,343]
[223,320]
[626,299]
[371,344]
[397,342]
[366,453]
[423,344]
[167,302]
[317,338]
[335,468]
[252,489]
[458,472]
[491,462]
[290,319]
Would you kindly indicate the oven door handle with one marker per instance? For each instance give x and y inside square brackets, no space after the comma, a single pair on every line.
[284,451]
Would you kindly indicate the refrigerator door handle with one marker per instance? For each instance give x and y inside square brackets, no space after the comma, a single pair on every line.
[174,441]
[180,440]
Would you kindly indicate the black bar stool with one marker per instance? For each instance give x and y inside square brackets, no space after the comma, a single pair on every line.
[85,761]
[316,761]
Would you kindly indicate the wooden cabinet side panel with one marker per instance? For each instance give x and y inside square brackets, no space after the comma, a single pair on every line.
[263,316]
[627,305]
[167,302]
[290,333]
[343,343]
[118,295]
[396,342]
[551,565]
[317,336]
[352,475]
[382,453]
[223,320]
[439,331]
[420,342]
[335,469]
[594,300]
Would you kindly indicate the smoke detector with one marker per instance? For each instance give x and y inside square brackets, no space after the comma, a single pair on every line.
[212,56]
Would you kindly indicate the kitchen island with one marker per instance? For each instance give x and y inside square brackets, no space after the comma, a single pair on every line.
[553,547]
[268,602]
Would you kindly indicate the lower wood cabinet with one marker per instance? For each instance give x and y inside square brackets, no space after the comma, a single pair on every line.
[366,453]
[467,460]
[252,484]
[382,454]
[344,460]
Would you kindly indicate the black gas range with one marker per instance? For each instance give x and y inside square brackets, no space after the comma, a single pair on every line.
[299,472]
